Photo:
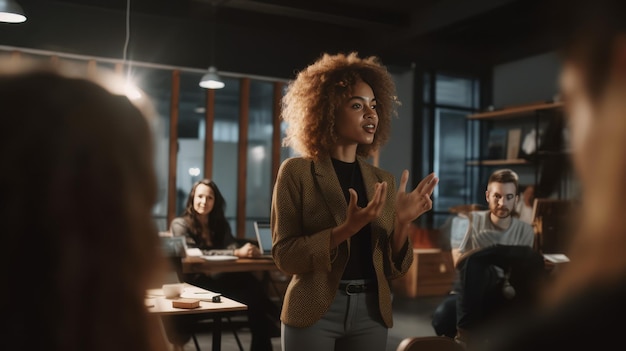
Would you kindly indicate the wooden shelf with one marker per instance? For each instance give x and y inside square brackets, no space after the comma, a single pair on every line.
[517,161]
[496,139]
[516,111]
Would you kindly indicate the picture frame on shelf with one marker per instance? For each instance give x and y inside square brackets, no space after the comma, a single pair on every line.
[530,142]
[513,143]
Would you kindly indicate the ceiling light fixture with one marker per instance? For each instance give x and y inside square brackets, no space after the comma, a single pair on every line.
[11,12]
[211,80]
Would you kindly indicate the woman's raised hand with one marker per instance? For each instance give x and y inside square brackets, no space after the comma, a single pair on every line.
[358,217]
[409,206]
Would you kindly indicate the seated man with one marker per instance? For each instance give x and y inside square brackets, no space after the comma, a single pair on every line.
[481,229]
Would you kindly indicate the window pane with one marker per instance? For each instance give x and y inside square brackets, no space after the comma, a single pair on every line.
[454,91]
[226,139]
[427,88]
[156,85]
[191,138]
[258,187]
[449,158]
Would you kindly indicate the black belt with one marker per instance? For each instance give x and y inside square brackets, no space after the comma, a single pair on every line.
[352,288]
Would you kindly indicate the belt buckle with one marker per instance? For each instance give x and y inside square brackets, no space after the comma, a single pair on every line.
[348,292]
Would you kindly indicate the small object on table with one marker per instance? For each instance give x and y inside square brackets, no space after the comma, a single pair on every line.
[203,296]
[186,303]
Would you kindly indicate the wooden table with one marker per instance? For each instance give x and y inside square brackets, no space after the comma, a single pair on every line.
[157,303]
[270,274]
[194,264]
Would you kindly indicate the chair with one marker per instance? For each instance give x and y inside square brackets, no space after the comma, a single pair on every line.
[497,281]
[173,248]
[429,343]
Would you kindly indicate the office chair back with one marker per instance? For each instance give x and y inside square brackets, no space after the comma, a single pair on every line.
[497,281]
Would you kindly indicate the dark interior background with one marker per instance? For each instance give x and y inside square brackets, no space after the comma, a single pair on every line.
[275,38]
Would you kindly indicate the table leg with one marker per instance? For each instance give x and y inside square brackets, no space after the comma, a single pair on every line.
[217,332]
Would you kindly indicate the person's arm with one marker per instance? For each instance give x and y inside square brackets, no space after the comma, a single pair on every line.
[456,255]
[459,233]
[293,251]
[409,207]
[230,246]
[179,228]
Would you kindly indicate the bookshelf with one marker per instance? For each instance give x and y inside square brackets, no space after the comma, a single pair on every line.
[523,138]
[517,111]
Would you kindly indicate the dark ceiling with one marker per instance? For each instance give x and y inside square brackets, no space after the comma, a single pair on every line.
[275,38]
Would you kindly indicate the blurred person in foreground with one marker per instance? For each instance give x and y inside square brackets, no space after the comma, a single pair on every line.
[584,308]
[77,189]
[339,224]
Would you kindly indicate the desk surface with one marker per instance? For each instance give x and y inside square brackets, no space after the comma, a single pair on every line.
[193,264]
[159,304]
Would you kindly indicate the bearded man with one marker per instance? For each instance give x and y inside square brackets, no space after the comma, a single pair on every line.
[481,229]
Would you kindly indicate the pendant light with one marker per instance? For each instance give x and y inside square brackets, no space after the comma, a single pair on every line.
[11,12]
[211,80]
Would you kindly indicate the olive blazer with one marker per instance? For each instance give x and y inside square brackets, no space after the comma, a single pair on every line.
[307,203]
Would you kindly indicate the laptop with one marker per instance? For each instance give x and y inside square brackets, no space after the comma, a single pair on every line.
[263,233]
[173,246]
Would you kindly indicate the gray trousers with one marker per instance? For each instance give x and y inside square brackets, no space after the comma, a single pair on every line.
[352,323]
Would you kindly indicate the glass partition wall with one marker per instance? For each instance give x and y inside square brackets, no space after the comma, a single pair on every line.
[233,135]
[239,120]
[448,99]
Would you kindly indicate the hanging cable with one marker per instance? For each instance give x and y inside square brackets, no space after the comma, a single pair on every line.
[127,39]
[131,91]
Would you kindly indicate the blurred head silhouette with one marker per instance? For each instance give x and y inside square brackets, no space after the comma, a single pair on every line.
[593,85]
[78,187]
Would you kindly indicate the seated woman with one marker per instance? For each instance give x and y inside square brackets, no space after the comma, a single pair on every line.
[204,226]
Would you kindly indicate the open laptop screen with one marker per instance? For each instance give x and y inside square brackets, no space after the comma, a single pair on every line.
[173,246]
[263,233]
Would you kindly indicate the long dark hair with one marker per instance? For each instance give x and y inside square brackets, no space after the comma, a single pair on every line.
[218,224]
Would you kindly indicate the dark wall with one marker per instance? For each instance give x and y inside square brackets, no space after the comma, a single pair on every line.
[267,49]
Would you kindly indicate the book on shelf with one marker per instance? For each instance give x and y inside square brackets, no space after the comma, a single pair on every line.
[496,144]
[513,143]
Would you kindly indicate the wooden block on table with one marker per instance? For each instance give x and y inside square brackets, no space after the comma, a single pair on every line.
[186,303]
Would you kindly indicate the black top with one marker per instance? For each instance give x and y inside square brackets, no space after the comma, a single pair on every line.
[360,264]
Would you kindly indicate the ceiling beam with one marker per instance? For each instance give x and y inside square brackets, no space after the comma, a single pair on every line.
[309,15]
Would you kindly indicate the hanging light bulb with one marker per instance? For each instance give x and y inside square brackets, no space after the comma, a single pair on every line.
[211,80]
[11,12]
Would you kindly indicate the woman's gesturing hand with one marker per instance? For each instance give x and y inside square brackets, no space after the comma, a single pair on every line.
[358,217]
[409,206]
